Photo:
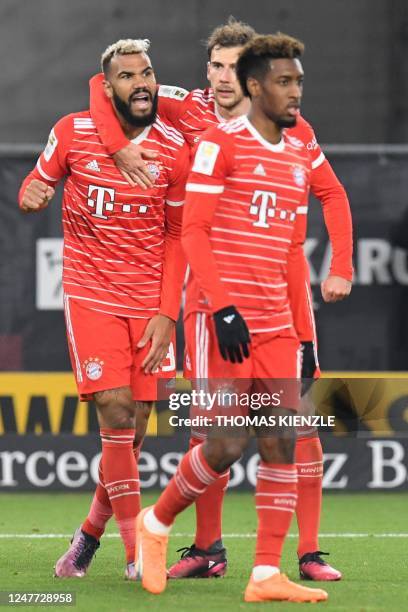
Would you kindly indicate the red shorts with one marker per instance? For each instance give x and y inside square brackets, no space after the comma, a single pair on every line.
[271,356]
[274,364]
[103,352]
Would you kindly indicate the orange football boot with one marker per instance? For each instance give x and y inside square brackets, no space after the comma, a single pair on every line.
[279,588]
[150,557]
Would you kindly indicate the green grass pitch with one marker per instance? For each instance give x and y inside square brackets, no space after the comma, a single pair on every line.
[373,561]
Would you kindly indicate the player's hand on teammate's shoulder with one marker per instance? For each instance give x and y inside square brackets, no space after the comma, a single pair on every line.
[158,332]
[335,288]
[131,162]
[36,196]
[232,334]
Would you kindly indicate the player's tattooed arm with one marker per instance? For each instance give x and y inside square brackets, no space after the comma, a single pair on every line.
[158,332]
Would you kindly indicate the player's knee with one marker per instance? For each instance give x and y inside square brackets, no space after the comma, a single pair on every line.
[143,410]
[277,450]
[234,450]
[222,453]
[116,408]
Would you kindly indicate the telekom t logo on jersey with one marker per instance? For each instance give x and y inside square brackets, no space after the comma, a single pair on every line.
[103,200]
[263,205]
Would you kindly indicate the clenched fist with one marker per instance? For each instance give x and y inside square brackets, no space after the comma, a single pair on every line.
[335,288]
[36,196]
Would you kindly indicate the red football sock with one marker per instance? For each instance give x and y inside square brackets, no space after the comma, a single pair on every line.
[209,509]
[101,511]
[309,463]
[275,499]
[122,482]
[193,476]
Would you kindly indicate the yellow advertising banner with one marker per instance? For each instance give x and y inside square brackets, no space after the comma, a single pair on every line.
[371,402]
[43,402]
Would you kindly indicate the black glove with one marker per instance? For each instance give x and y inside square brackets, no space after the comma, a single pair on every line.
[309,366]
[232,334]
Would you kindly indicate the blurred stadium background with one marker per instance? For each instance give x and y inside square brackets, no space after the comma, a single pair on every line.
[355,97]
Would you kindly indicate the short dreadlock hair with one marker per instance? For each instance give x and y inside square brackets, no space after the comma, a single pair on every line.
[232,34]
[255,58]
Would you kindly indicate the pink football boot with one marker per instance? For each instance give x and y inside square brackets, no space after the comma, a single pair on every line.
[75,562]
[197,563]
[312,567]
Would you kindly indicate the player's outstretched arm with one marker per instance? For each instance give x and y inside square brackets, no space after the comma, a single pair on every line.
[35,195]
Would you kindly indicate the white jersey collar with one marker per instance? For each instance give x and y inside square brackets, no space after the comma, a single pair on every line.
[276,148]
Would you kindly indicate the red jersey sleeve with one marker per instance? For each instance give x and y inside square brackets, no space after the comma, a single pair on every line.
[327,188]
[171,105]
[213,162]
[304,132]
[101,109]
[174,266]
[52,164]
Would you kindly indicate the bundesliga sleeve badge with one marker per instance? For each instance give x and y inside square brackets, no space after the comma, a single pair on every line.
[206,157]
[51,146]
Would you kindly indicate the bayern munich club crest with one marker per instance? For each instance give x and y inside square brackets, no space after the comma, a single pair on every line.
[93,368]
[299,175]
[154,170]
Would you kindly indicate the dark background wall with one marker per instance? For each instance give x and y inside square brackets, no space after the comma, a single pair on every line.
[356,91]
[356,76]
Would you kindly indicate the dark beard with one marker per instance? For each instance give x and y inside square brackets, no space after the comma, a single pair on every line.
[124,108]
[286,123]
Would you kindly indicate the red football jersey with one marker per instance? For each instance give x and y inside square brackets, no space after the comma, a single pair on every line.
[192,113]
[245,204]
[122,252]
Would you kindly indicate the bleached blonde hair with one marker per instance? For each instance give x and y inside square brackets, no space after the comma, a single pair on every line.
[125,46]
